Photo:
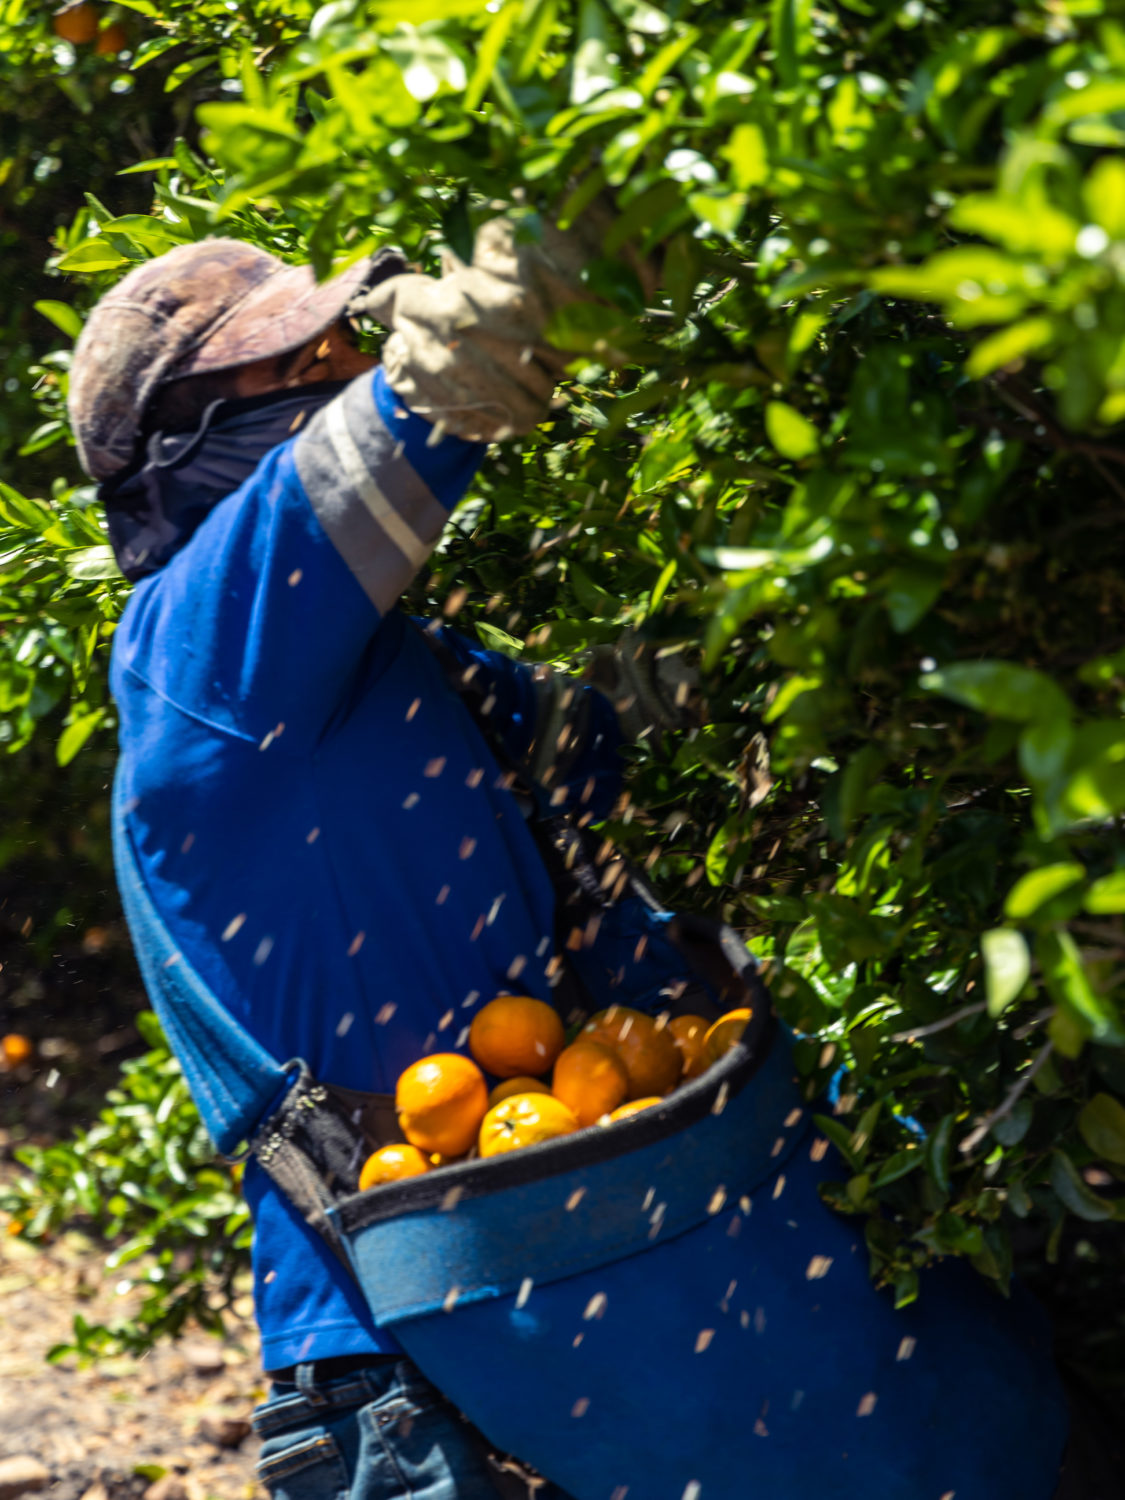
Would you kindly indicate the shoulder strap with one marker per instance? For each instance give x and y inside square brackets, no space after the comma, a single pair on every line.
[235,1095]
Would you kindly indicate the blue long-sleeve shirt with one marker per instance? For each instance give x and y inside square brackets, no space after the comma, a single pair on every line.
[316,815]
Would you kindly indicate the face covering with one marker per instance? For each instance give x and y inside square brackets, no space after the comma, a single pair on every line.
[154,509]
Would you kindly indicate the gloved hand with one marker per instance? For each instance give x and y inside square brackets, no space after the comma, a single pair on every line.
[468,351]
[648,690]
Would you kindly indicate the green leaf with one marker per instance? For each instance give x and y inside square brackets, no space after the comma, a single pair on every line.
[1007,964]
[1073,1191]
[1102,1126]
[748,157]
[910,594]
[791,35]
[591,71]
[92,256]
[499,640]
[1029,336]
[92,562]
[999,688]
[1011,1128]
[488,52]
[938,1150]
[75,735]
[62,315]
[792,434]
[1037,887]
[897,1166]
[1070,988]
[1106,897]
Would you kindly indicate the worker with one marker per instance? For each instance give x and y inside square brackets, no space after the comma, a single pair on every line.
[315,814]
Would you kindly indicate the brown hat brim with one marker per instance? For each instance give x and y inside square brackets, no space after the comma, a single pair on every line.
[283,312]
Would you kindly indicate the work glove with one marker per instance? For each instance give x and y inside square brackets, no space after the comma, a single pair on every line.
[650,690]
[468,351]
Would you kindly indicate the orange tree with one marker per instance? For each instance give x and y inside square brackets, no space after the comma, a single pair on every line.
[860,450]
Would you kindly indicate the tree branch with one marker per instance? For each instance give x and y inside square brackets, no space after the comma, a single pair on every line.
[1009,1103]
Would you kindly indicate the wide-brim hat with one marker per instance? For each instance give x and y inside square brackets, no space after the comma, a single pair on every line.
[200,308]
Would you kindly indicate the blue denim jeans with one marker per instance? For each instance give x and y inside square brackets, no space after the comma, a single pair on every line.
[382,1432]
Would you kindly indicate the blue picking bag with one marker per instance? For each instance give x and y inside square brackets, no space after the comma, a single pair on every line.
[662,1310]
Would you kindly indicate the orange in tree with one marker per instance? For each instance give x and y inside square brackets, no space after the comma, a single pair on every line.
[647,1050]
[441,1101]
[392,1164]
[725,1033]
[16,1049]
[634,1107]
[111,40]
[515,1034]
[590,1079]
[688,1033]
[76,23]
[524,1120]
[518,1085]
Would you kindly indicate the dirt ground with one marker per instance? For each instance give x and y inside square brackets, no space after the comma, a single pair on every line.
[111,1431]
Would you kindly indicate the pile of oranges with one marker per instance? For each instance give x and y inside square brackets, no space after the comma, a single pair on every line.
[621,1061]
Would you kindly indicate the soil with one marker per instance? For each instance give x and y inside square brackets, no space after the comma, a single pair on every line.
[108,1432]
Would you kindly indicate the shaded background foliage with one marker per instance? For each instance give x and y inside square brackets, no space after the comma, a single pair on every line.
[861,451]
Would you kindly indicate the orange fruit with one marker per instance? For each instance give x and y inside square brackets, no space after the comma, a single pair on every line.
[518,1085]
[111,40]
[647,1050]
[633,1107]
[515,1034]
[590,1079]
[725,1033]
[688,1033]
[76,23]
[392,1164]
[524,1120]
[441,1101]
[16,1049]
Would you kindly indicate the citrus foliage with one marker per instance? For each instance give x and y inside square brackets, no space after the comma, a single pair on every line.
[143,1176]
[860,449]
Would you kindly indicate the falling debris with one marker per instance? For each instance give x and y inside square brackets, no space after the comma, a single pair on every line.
[818,1267]
[595,1307]
[580,1407]
[906,1348]
[778,1187]
[575,1199]
[450,1300]
[819,1149]
[344,1025]
[233,927]
[866,1405]
[718,1198]
[384,1013]
[703,1339]
[356,944]
[524,1292]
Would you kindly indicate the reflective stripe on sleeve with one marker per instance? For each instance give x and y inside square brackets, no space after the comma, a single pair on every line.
[381,517]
